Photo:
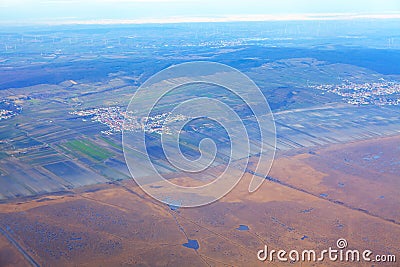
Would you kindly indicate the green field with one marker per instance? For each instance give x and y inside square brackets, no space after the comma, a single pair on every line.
[3,155]
[89,149]
[111,143]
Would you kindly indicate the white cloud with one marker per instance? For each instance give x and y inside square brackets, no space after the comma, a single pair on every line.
[15,3]
[289,17]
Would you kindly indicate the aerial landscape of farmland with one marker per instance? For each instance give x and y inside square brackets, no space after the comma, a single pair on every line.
[72,136]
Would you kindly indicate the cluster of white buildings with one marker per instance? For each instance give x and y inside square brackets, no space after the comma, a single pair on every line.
[117,119]
[9,109]
[375,93]
[6,114]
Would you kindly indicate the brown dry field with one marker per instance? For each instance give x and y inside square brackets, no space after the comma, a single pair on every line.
[119,225]
[9,255]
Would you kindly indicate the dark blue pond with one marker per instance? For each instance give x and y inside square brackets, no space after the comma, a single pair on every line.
[192,244]
[304,237]
[173,207]
[243,227]
[306,210]
[173,204]
[323,195]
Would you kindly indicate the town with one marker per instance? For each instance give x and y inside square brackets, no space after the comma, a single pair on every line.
[370,93]
[8,109]
[118,120]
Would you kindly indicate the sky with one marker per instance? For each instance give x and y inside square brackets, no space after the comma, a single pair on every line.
[61,11]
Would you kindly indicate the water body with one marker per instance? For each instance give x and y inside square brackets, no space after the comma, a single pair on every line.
[173,204]
[243,227]
[323,195]
[192,243]
[306,210]
[173,207]
[372,157]
[304,237]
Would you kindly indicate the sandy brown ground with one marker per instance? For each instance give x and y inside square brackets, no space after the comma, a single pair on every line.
[9,255]
[119,225]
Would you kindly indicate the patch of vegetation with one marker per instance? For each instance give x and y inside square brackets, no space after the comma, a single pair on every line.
[3,155]
[111,143]
[89,149]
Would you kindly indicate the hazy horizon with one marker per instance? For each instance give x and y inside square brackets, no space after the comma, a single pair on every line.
[165,11]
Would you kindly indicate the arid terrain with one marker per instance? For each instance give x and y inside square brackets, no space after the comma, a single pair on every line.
[310,199]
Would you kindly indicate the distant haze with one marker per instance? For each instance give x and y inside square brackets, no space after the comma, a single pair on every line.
[139,11]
